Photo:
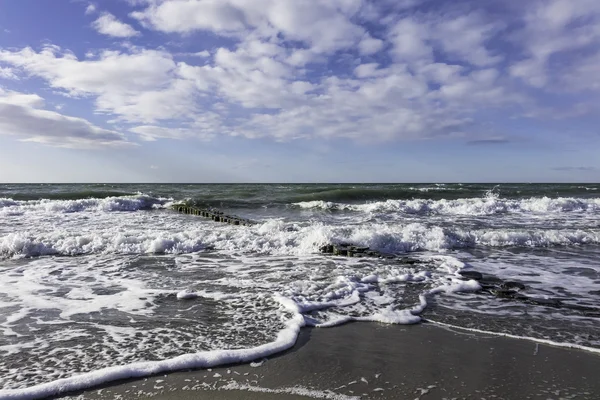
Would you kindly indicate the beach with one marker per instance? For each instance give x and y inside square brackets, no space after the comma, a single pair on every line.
[346,290]
[375,361]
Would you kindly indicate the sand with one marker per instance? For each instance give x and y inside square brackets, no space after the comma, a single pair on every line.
[376,361]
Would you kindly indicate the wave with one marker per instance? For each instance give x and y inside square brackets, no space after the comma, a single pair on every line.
[107,204]
[470,206]
[363,194]
[293,313]
[70,244]
[74,195]
[275,237]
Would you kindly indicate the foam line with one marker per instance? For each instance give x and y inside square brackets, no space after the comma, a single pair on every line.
[298,391]
[205,359]
[508,335]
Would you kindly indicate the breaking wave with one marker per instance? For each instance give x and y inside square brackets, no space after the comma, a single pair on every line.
[472,206]
[121,203]
[278,238]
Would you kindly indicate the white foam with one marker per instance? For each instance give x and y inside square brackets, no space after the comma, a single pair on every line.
[37,287]
[187,294]
[296,390]
[4,202]
[391,316]
[73,233]
[108,204]
[508,335]
[386,313]
[489,205]
[325,205]
[285,339]
[323,291]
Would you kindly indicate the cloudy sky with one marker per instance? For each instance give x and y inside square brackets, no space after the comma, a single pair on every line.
[299,90]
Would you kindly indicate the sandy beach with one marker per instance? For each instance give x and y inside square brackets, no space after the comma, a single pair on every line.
[374,361]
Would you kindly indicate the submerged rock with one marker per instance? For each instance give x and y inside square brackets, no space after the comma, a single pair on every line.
[512,285]
[471,275]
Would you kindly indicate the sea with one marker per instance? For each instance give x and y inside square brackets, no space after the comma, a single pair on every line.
[100,282]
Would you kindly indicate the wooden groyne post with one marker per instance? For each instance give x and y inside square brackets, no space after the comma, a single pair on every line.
[215,215]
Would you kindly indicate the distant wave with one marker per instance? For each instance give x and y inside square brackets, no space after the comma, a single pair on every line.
[75,195]
[364,193]
[473,206]
[369,194]
[123,203]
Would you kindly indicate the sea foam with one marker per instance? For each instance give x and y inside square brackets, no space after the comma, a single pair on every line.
[297,311]
[285,339]
[472,206]
[109,204]
[143,235]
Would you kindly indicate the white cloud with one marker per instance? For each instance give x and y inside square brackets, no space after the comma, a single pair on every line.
[369,45]
[7,73]
[185,16]
[367,70]
[410,40]
[304,69]
[21,114]
[323,25]
[532,71]
[553,29]
[146,87]
[137,86]
[90,9]
[585,76]
[203,54]
[462,38]
[21,99]
[108,24]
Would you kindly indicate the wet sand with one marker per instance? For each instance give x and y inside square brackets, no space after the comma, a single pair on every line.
[375,361]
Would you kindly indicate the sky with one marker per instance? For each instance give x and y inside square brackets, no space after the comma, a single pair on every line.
[300,91]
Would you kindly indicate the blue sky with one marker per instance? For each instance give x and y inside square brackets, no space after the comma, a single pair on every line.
[299,91]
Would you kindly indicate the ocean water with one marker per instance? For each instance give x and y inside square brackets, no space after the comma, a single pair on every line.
[100,282]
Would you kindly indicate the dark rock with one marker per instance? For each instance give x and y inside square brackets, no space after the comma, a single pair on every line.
[512,285]
[508,294]
[471,275]
[503,293]
[409,261]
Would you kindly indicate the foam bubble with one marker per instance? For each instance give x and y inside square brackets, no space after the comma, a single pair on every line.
[186,294]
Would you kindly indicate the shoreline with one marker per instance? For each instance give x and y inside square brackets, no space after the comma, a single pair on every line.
[370,360]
